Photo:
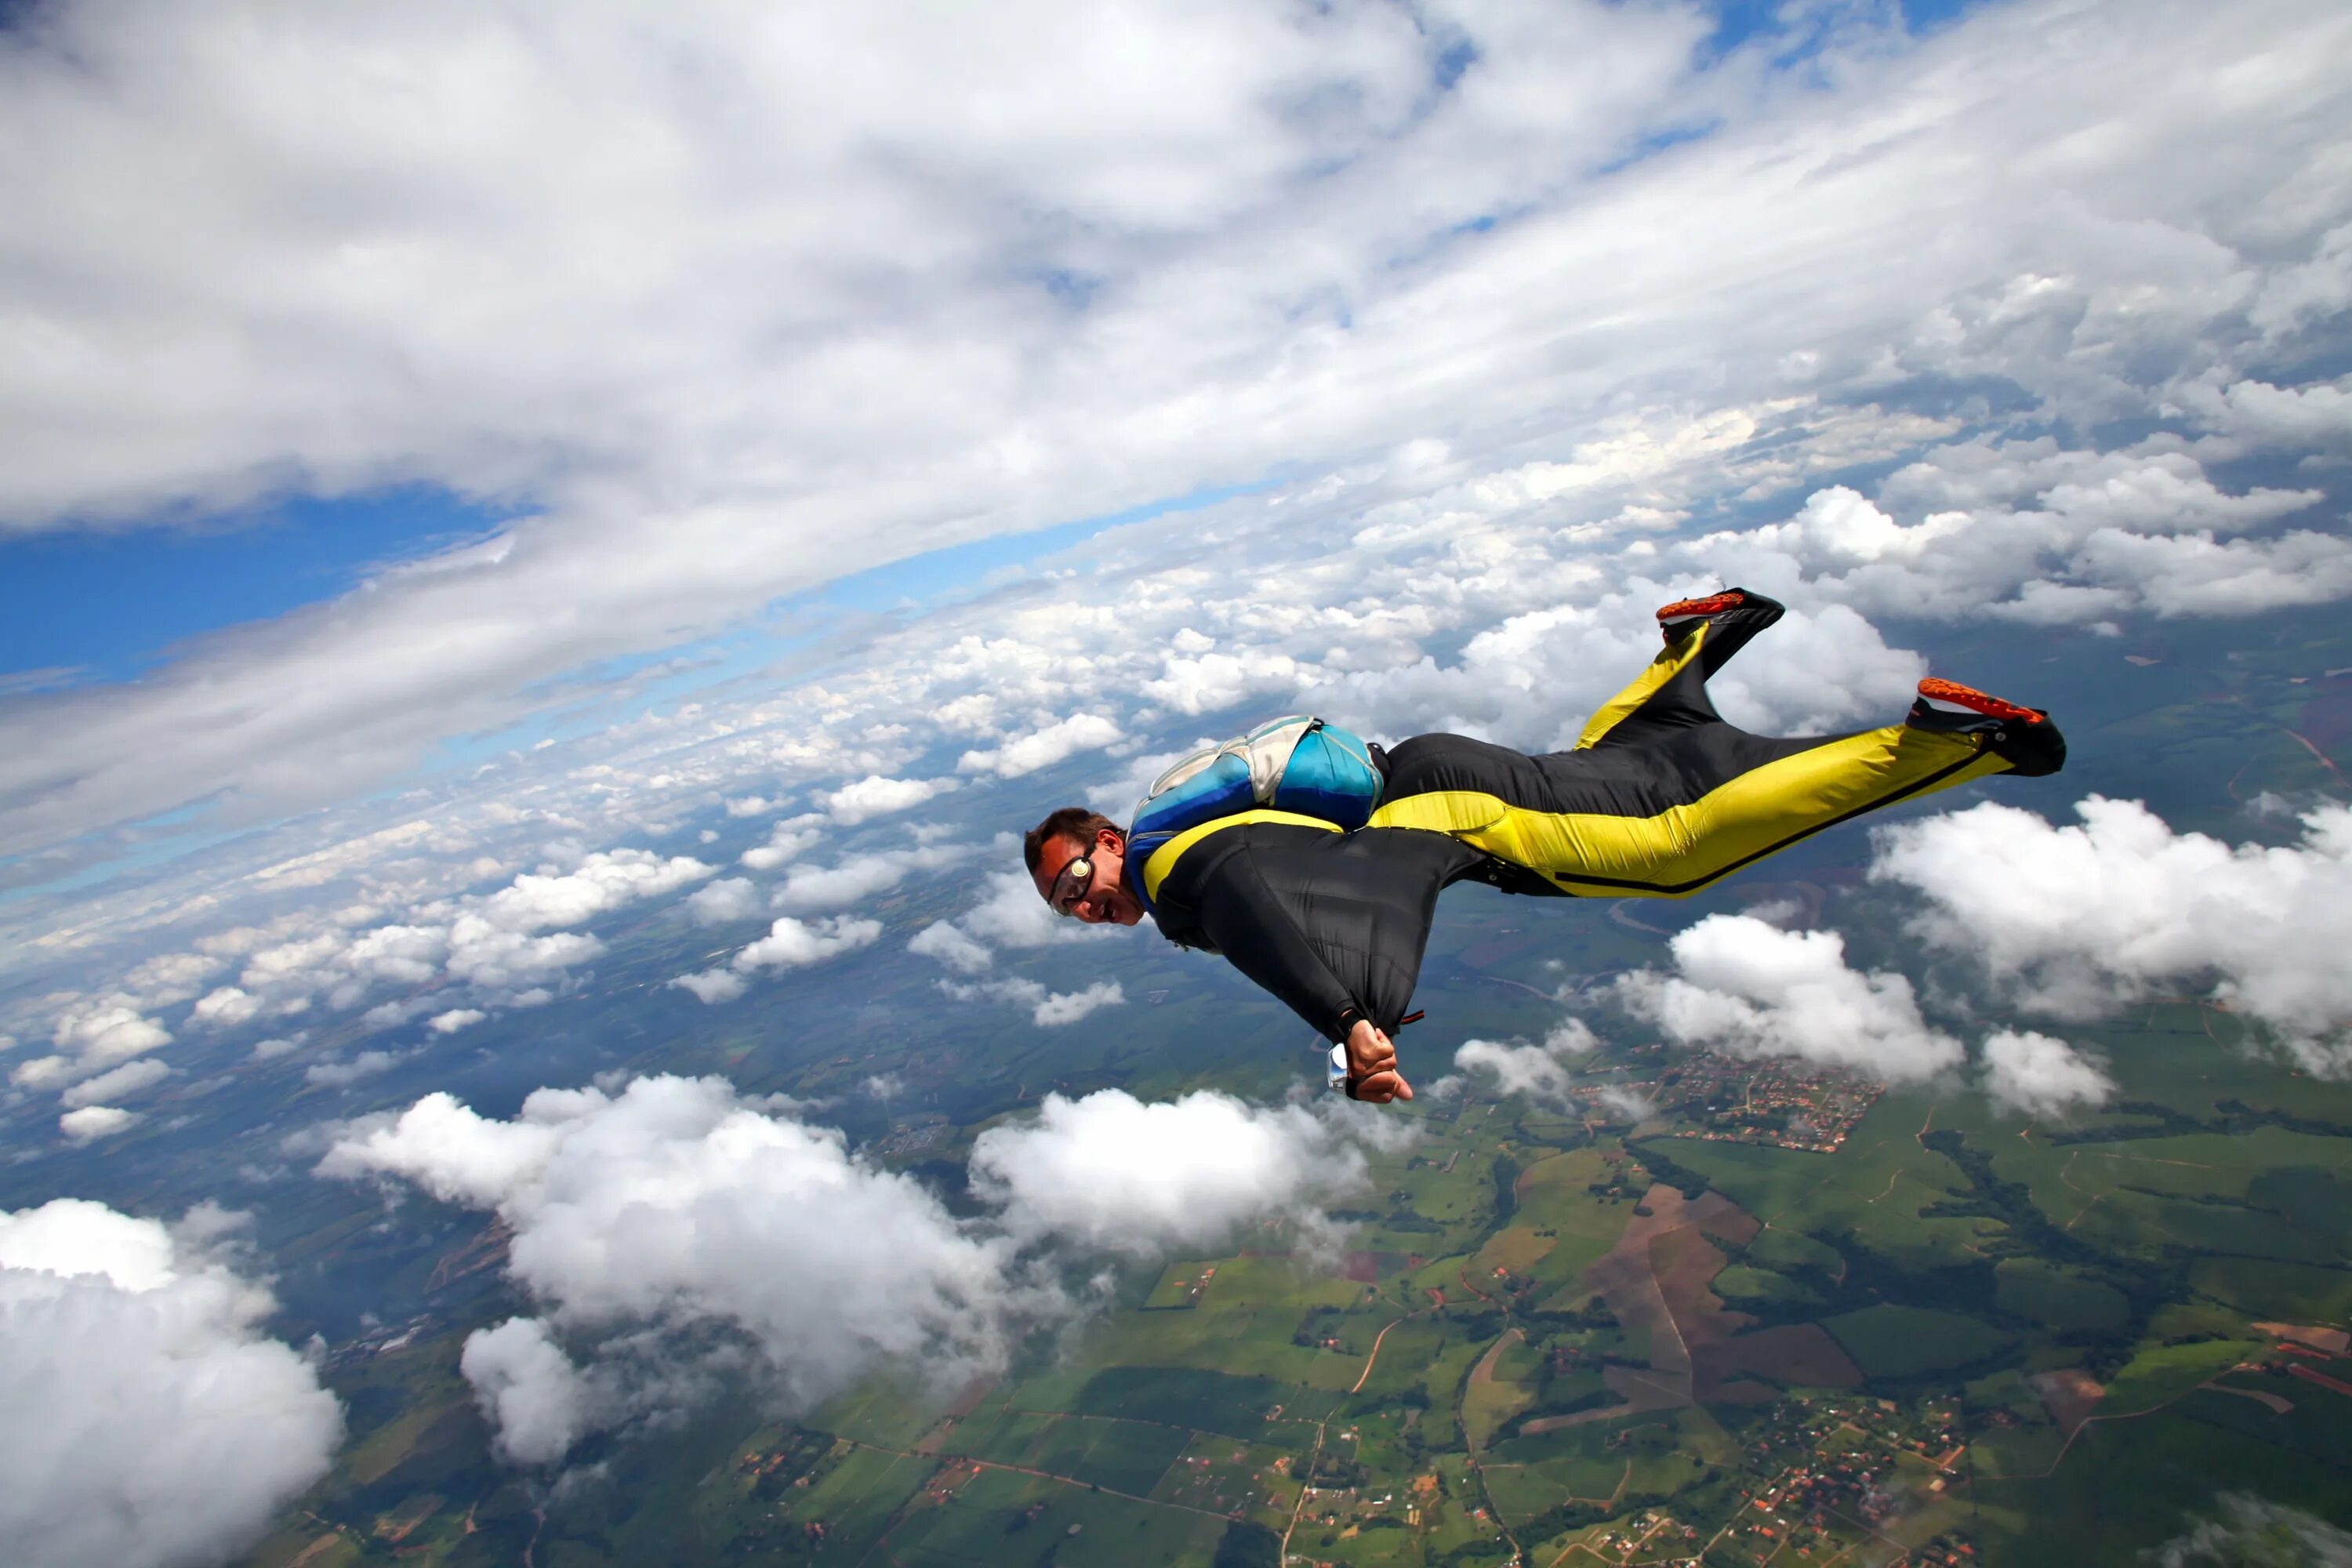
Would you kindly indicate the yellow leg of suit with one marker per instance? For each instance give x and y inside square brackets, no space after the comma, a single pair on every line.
[1661,797]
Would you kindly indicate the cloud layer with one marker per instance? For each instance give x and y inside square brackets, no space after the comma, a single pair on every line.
[1358,249]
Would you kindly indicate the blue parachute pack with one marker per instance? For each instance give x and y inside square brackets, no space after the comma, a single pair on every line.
[1298,764]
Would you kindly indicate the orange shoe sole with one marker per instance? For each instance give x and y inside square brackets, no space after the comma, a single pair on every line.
[1682,609]
[1937,689]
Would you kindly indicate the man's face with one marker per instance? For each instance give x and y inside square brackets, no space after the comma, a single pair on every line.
[1102,897]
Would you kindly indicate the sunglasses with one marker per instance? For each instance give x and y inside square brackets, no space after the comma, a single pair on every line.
[1077,876]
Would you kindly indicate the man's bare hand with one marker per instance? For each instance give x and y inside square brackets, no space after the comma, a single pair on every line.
[1371,1062]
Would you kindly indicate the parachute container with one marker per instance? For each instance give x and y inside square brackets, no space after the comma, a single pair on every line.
[1298,764]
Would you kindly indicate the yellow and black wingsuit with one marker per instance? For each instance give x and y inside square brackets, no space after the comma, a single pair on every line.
[1659,798]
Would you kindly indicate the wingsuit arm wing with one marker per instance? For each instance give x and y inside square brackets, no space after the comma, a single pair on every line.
[1246,920]
[1332,925]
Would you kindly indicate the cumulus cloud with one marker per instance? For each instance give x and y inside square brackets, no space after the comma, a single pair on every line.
[809,888]
[676,1207]
[1123,1175]
[537,1401]
[2038,1076]
[90,1037]
[92,1122]
[1624,1104]
[712,986]
[674,1232]
[344,1074]
[730,898]
[2254,1533]
[2115,907]
[1043,747]
[454,1019]
[875,796]
[788,841]
[1047,1010]
[598,885]
[1749,989]
[170,1429]
[1540,1071]
[226,1007]
[791,943]
[952,946]
[1070,1006]
[145,1072]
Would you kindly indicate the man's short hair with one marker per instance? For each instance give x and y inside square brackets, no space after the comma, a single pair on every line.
[1070,822]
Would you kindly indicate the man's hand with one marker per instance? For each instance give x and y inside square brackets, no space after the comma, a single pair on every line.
[1371,1062]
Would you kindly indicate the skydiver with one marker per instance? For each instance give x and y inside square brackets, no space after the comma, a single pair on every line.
[1659,798]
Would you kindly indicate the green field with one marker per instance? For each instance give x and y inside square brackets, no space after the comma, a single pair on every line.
[1904,1342]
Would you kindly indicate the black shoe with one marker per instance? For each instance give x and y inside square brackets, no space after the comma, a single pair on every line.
[2024,738]
[1734,615]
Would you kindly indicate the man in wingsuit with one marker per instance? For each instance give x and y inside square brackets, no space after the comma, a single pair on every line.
[1659,798]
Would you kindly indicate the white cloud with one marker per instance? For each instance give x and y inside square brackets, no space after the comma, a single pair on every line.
[1120,1174]
[226,1007]
[90,1037]
[271,1049]
[495,959]
[454,1019]
[809,888]
[875,796]
[1624,1104]
[144,1072]
[1538,1071]
[712,986]
[2255,1530]
[343,1075]
[1043,747]
[672,1233]
[535,1399]
[1047,1010]
[791,943]
[1071,1006]
[788,841]
[92,1122]
[2038,1076]
[677,1208]
[730,898]
[2076,921]
[600,883]
[953,947]
[752,806]
[1747,988]
[170,1430]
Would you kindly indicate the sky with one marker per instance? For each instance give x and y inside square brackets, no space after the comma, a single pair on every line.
[459,463]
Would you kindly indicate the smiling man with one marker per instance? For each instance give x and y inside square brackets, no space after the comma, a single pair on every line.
[1659,798]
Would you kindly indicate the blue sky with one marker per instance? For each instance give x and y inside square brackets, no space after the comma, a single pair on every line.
[107,605]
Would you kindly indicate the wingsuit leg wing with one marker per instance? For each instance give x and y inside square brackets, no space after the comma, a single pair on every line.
[1662,797]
